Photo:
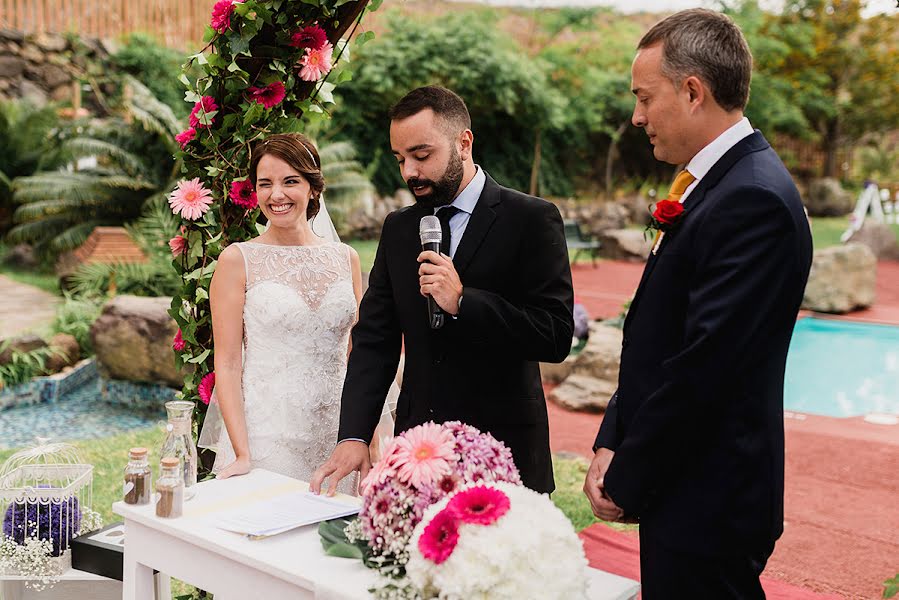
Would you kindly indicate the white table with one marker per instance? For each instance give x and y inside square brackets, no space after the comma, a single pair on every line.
[290,565]
[70,585]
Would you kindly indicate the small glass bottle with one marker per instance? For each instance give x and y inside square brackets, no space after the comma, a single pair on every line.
[170,489]
[179,442]
[137,487]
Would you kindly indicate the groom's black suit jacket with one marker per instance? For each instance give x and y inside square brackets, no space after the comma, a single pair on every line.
[697,421]
[481,368]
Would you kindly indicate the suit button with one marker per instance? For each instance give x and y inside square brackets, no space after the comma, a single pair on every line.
[624,343]
[431,411]
[436,361]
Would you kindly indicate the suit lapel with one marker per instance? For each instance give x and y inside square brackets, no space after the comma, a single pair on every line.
[478,225]
[749,144]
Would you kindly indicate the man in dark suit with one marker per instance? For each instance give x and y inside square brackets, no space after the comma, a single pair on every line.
[502,278]
[692,443]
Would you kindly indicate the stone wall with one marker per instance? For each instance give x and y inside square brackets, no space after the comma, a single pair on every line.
[43,68]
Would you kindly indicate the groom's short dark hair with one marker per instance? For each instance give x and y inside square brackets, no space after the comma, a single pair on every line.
[445,103]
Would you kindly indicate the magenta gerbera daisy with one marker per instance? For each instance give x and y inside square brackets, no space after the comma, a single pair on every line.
[316,63]
[221,15]
[206,107]
[207,385]
[178,343]
[309,37]
[479,505]
[243,194]
[186,137]
[268,96]
[190,199]
[440,536]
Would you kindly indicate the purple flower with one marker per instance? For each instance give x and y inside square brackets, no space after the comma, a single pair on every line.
[58,522]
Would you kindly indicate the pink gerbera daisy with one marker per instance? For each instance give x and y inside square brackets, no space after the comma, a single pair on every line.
[480,505]
[423,454]
[440,536]
[178,245]
[309,37]
[243,194]
[207,385]
[221,15]
[205,107]
[316,63]
[186,137]
[178,343]
[190,199]
[269,96]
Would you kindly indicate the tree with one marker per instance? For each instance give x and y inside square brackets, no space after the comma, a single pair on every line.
[507,93]
[844,70]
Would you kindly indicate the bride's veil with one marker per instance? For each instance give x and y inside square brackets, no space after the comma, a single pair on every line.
[213,434]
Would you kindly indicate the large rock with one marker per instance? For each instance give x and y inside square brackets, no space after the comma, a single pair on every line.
[11,66]
[133,340]
[582,392]
[601,357]
[879,237]
[21,343]
[21,256]
[67,352]
[625,244]
[557,372]
[53,75]
[827,198]
[842,279]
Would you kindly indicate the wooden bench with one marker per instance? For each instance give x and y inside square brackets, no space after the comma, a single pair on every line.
[581,242]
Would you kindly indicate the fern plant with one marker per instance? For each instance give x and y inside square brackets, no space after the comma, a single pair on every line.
[22,366]
[75,316]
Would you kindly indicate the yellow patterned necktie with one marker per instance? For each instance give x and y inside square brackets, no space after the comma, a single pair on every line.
[680,185]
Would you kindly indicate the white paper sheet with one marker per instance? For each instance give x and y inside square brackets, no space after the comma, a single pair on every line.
[280,514]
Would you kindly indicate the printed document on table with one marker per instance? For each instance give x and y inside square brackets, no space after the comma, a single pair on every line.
[283,513]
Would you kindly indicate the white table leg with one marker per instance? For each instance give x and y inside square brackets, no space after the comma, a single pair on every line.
[163,587]
[137,580]
[12,590]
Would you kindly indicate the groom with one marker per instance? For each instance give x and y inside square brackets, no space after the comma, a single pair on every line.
[503,279]
[692,444]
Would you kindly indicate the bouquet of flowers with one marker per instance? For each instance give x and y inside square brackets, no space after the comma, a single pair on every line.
[496,541]
[418,468]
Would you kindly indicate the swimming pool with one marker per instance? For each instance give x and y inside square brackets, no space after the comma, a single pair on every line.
[842,369]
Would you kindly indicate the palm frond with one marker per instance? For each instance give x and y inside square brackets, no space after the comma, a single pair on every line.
[154,115]
[334,152]
[153,278]
[55,185]
[41,209]
[73,237]
[37,230]
[155,227]
[89,146]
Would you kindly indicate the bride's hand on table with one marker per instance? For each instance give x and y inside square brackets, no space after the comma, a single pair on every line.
[241,466]
[347,457]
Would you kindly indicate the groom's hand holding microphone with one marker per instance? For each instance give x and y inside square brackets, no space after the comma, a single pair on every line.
[438,280]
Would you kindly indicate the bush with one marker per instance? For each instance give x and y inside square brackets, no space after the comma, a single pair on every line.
[75,317]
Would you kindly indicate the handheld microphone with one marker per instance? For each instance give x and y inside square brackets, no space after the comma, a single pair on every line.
[431,235]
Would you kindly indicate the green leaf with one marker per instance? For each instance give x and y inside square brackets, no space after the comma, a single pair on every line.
[374,5]
[891,587]
[326,92]
[239,45]
[253,113]
[241,9]
[364,38]
[183,79]
[190,96]
[202,294]
[203,356]
[343,550]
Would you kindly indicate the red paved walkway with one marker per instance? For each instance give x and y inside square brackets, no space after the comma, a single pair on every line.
[842,475]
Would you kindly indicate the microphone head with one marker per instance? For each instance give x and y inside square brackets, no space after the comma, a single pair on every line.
[429,230]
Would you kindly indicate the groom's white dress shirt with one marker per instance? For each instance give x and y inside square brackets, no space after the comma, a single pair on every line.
[705,159]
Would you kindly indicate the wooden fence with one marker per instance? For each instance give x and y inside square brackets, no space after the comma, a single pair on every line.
[175,23]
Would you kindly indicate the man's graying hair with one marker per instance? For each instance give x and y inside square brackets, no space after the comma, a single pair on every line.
[710,46]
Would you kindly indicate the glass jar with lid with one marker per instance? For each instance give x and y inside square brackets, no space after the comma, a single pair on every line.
[170,489]
[137,487]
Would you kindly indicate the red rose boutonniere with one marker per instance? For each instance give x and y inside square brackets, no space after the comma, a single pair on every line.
[666,216]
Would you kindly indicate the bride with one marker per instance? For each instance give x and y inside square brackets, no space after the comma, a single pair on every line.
[282,306]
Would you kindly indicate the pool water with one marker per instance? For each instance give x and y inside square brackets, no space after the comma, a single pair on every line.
[842,369]
[80,414]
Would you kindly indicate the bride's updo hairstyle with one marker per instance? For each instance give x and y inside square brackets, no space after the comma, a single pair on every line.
[300,153]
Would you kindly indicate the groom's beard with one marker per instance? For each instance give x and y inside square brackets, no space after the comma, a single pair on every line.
[444,191]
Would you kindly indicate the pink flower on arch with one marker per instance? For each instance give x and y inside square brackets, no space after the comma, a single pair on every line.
[207,385]
[479,505]
[186,137]
[190,199]
[423,454]
[440,536]
[243,194]
[268,96]
[309,37]
[178,245]
[205,106]
[178,343]
[221,15]
[316,63]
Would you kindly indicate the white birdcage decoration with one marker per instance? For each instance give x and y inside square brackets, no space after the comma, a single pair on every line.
[45,501]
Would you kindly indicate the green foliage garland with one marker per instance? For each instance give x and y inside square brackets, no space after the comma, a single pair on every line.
[251,49]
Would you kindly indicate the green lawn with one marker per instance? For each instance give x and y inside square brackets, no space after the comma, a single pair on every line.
[569,496]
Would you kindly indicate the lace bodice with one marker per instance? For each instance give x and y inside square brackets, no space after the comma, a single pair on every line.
[298,312]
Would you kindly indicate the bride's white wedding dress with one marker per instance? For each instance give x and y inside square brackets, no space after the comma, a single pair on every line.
[298,312]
